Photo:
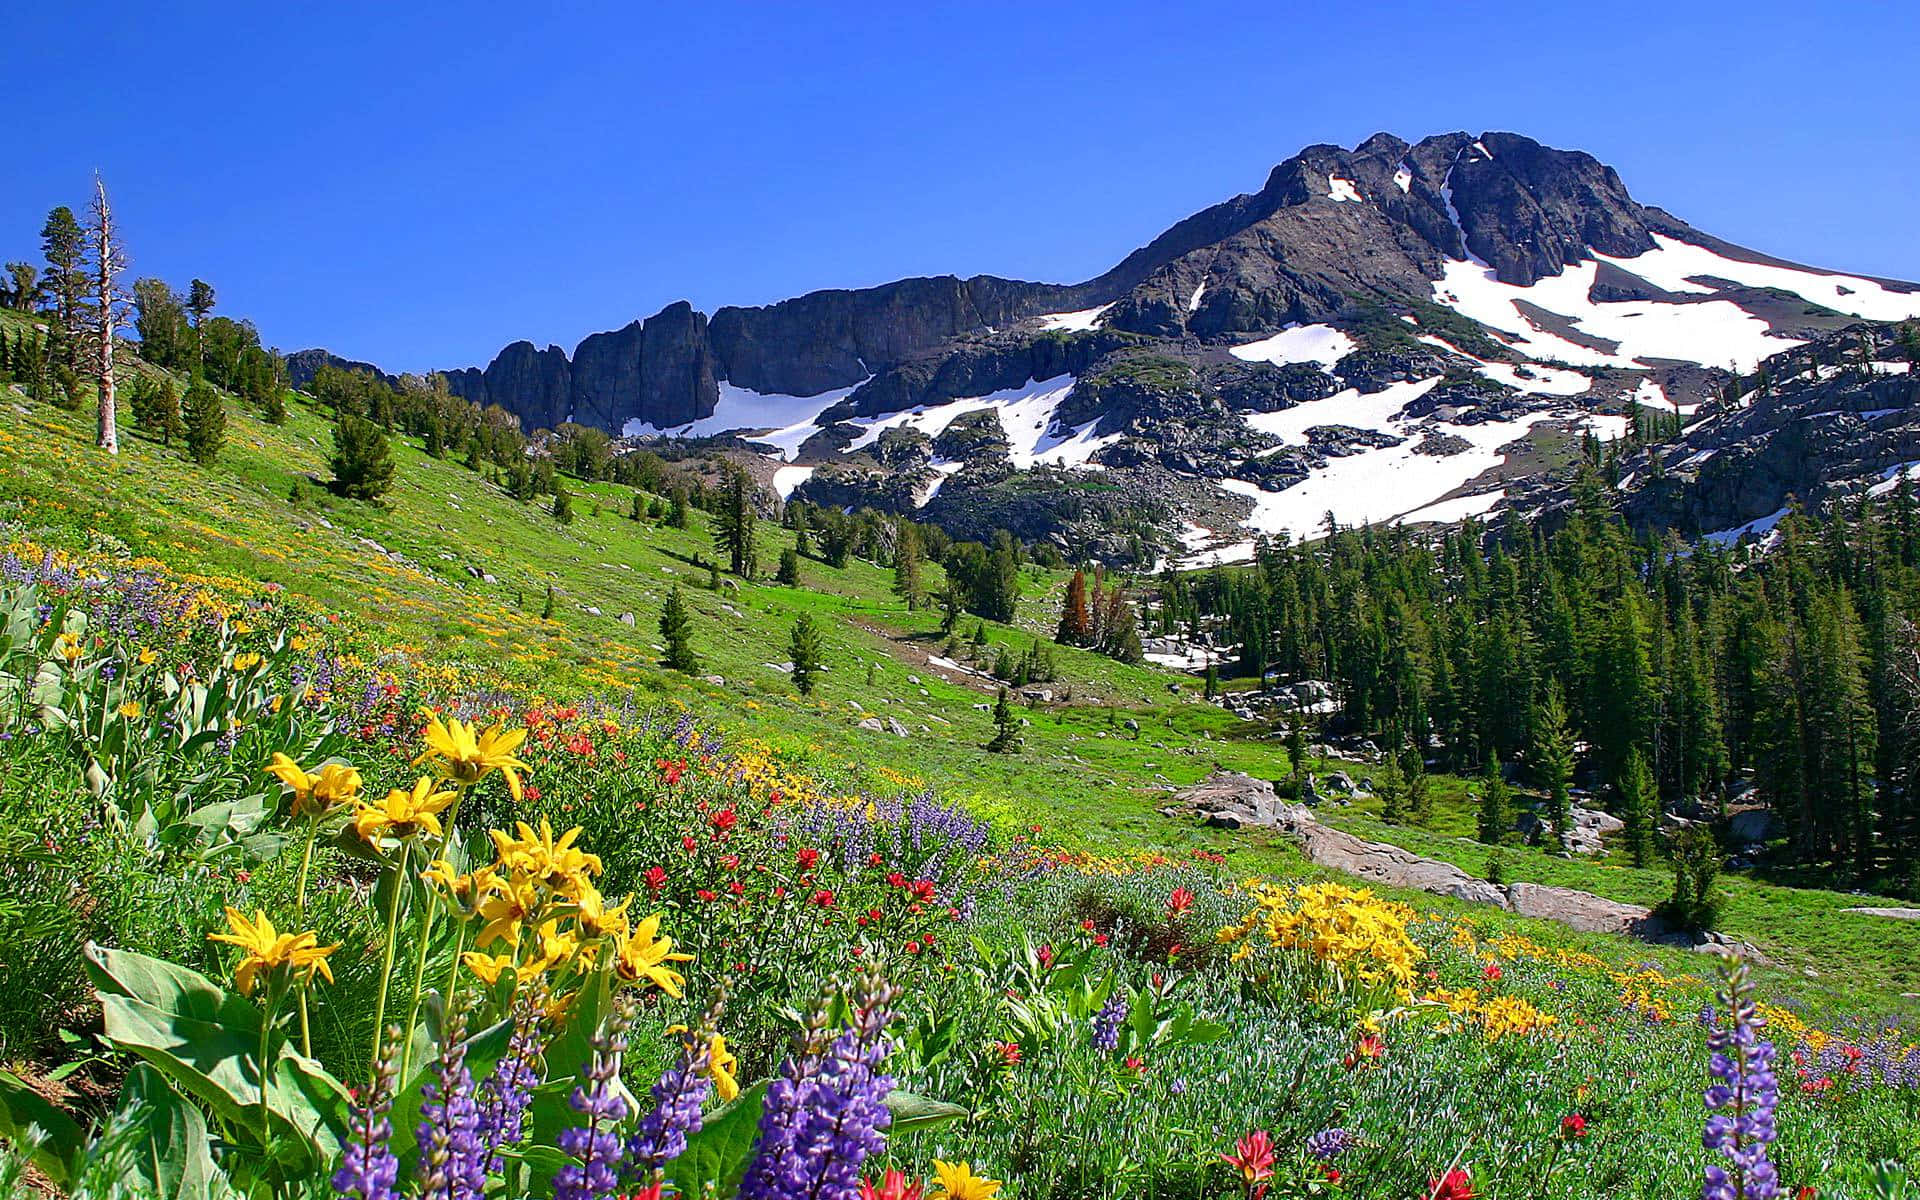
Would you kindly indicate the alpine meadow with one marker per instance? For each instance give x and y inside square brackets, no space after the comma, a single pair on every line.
[1404,686]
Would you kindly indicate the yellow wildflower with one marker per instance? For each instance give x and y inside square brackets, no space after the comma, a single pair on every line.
[555,862]
[131,710]
[147,657]
[266,949]
[465,755]
[956,1181]
[488,967]
[404,813]
[644,955]
[721,1068]
[505,906]
[246,662]
[316,791]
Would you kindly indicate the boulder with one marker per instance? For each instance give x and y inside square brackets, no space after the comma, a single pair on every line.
[872,725]
[1750,826]
[1578,910]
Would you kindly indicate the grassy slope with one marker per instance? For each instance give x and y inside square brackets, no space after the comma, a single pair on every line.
[1081,774]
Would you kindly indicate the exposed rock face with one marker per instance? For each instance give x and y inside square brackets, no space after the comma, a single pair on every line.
[1840,412]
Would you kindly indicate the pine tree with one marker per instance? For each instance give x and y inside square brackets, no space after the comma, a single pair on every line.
[1076,621]
[789,573]
[1553,762]
[638,511]
[157,410]
[362,461]
[1696,867]
[546,609]
[65,246]
[200,304]
[1391,786]
[1211,681]
[1495,815]
[1419,787]
[1006,733]
[733,523]
[204,413]
[907,558]
[562,503]
[804,649]
[1639,807]
[677,515]
[676,630]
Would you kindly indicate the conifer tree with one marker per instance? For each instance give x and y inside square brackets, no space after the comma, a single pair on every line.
[733,523]
[1391,786]
[805,651]
[547,608]
[1553,762]
[1639,807]
[1076,619]
[638,511]
[676,631]
[64,244]
[1006,733]
[677,515]
[101,319]
[907,557]
[789,573]
[1419,787]
[204,413]
[362,460]
[562,503]
[1495,815]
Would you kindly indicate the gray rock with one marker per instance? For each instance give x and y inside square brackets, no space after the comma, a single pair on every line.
[872,725]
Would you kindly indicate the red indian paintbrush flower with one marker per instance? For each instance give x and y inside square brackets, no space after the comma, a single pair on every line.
[1180,902]
[1253,1157]
[1455,1185]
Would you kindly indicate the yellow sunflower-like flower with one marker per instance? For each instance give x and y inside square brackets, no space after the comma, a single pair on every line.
[316,791]
[246,662]
[643,955]
[722,1068]
[464,754]
[487,967]
[956,1181]
[404,813]
[555,862]
[506,906]
[266,950]
[596,919]
[131,710]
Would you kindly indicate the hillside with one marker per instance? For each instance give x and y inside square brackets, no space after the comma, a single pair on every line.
[452,569]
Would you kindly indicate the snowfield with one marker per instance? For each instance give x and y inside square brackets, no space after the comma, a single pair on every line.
[782,421]
[1085,318]
[1321,344]
[1026,414]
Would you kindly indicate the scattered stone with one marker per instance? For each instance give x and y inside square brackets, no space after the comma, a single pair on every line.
[1898,914]
[872,724]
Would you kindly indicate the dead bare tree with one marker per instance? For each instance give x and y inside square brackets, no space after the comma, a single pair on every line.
[107,312]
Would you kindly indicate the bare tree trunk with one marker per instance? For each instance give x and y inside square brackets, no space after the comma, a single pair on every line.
[109,260]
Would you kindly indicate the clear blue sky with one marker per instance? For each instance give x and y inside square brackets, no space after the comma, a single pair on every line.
[420,187]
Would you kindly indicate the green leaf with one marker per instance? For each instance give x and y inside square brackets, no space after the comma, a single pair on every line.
[912,1111]
[172,1155]
[720,1151]
[205,1040]
[56,1153]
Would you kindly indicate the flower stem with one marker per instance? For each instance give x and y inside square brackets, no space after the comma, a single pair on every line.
[427,915]
[386,964]
[300,900]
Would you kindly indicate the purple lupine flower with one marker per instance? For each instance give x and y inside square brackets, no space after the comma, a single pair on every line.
[1330,1144]
[593,1143]
[1106,1023]
[827,1114]
[453,1159]
[677,1096]
[368,1167]
[1743,1097]
[505,1095]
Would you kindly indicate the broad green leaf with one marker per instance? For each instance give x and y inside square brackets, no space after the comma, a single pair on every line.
[720,1151]
[171,1153]
[56,1152]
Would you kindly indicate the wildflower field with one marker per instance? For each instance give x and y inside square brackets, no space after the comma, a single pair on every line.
[291,909]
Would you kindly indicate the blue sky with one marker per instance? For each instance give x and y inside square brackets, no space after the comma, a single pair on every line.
[420,184]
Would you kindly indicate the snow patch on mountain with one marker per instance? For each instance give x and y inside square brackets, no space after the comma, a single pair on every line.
[1026,415]
[1675,264]
[771,418]
[1193,301]
[1085,318]
[1458,508]
[786,479]
[1709,332]
[1532,378]
[1362,410]
[1322,344]
[1339,189]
